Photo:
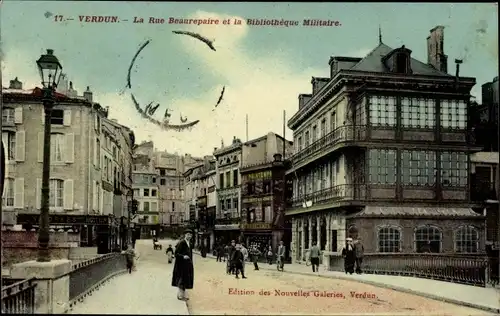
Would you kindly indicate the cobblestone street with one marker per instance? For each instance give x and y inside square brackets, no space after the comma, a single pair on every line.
[272,292]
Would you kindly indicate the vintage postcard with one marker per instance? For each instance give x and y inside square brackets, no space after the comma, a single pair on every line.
[202,158]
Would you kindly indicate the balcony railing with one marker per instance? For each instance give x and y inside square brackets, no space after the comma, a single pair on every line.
[18,296]
[471,270]
[338,192]
[340,134]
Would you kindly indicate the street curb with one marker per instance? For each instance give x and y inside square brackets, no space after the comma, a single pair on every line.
[399,289]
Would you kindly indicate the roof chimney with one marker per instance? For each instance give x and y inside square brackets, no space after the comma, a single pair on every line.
[457,72]
[87,95]
[16,84]
[435,49]
[72,93]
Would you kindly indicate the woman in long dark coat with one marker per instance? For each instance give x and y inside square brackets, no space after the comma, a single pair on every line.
[183,274]
[349,256]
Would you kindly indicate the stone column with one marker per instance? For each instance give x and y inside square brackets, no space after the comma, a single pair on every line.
[318,230]
[293,247]
[341,232]
[326,253]
[302,238]
[309,219]
[52,290]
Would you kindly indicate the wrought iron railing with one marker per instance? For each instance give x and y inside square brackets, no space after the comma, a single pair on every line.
[470,270]
[338,192]
[340,134]
[18,297]
[88,275]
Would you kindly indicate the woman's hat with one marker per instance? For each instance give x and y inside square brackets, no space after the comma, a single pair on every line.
[348,239]
[188,231]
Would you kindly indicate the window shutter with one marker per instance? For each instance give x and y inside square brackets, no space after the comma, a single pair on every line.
[18,115]
[38,194]
[68,194]
[95,153]
[69,148]
[94,195]
[40,147]
[19,193]
[67,118]
[20,145]
[101,199]
[43,116]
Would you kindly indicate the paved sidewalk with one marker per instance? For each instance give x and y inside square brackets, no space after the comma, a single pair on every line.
[146,291]
[487,299]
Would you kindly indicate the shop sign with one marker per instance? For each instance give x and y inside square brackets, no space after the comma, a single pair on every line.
[257,226]
[227,227]
[257,199]
[34,219]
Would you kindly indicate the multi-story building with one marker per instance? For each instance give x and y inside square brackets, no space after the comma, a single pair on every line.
[145,191]
[263,189]
[382,154]
[75,169]
[203,179]
[228,163]
[170,168]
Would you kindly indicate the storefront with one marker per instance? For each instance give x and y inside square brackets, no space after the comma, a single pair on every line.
[99,231]
[226,232]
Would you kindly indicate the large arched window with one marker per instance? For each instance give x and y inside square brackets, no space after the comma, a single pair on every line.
[428,239]
[466,239]
[389,239]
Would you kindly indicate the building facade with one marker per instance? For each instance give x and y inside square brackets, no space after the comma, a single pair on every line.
[169,168]
[75,201]
[382,154]
[227,219]
[263,188]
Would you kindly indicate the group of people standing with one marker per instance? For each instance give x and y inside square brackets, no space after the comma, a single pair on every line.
[353,254]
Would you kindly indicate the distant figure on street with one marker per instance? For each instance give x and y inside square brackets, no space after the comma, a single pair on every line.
[280,255]
[238,260]
[170,253]
[270,255]
[130,256]
[244,251]
[314,255]
[349,256]
[359,250]
[220,252]
[230,264]
[255,254]
[183,274]
[226,253]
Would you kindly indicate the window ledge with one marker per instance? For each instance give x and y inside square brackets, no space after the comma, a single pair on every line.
[8,208]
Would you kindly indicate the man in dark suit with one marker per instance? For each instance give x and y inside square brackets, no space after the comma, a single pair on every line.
[183,274]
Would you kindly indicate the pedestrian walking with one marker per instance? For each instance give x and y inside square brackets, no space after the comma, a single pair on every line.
[130,256]
[359,251]
[238,261]
[270,255]
[220,252]
[314,255]
[255,254]
[170,253]
[244,251]
[280,255]
[230,264]
[349,256]
[183,274]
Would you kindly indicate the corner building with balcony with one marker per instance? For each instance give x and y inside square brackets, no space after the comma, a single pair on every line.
[382,154]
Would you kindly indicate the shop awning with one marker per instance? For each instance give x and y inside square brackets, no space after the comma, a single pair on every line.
[401,211]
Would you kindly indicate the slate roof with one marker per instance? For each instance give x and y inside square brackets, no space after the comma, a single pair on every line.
[373,63]
[417,211]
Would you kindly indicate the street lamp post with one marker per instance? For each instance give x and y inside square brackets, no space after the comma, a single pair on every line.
[50,71]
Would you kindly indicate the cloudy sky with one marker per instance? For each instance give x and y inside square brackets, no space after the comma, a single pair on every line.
[263,68]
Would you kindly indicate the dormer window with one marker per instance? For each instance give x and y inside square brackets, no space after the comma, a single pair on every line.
[402,63]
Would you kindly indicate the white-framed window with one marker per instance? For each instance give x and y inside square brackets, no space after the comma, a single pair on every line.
[8,115]
[418,112]
[418,167]
[381,166]
[454,168]
[314,133]
[382,110]
[56,196]
[145,207]
[9,142]
[154,206]
[467,239]
[98,153]
[299,142]
[453,114]
[428,239]
[57,147]
[146,192]
[306,141]
[389,239]
[333,121]
[8,193]
[323,127]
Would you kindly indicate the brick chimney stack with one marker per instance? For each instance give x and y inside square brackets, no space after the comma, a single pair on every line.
[435,49]
[16,84]
[87,95]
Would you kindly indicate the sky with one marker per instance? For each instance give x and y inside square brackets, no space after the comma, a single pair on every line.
[263,68]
